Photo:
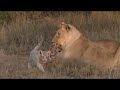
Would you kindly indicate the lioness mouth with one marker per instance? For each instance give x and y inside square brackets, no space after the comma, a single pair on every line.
[57,46]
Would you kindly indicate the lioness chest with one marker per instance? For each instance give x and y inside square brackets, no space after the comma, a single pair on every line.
[76,50]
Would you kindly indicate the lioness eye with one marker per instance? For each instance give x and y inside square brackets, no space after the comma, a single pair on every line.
[58,34]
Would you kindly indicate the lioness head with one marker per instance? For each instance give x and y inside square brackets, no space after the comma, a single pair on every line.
[65,35]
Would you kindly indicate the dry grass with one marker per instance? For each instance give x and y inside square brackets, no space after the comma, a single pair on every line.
[20,32]
[15,67]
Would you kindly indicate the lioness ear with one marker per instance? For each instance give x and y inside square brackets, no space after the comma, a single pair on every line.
[62,23]
[65,26]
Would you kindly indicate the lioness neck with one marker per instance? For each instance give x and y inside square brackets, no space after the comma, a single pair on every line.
[74,35]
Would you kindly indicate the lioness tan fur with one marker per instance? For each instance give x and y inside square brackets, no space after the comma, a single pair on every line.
[76,46]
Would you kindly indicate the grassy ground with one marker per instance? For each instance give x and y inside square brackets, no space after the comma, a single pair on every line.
[20,32]
[15,67]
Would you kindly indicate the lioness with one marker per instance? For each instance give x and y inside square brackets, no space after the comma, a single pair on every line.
[75,46]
